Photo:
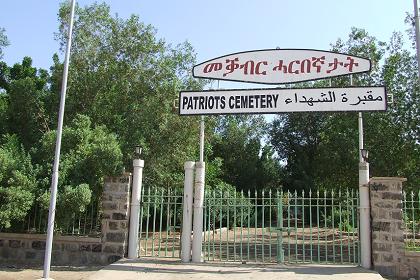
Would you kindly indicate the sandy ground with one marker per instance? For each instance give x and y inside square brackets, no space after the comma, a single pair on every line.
[57,273]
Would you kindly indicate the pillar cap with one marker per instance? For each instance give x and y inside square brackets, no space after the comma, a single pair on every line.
[138,163]
[189,165]
[400,179]
[200,164]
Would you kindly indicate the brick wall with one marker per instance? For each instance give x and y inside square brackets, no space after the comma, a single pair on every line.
[388,252]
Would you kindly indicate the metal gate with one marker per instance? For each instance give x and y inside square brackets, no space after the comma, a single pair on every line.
[160,222]
[264,227]
[282,227]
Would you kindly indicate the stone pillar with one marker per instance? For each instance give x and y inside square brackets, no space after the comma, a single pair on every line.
[387,225]
[115,216]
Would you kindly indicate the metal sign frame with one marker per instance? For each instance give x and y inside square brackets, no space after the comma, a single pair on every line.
[260,55]
[294,95]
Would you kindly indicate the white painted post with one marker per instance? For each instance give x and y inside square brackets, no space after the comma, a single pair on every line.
[198,212]
[133,242]
[365,235]
[55,174]
[187,212]
[364,231]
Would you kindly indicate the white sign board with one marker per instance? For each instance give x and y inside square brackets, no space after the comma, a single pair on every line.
[268,101]
[279,66]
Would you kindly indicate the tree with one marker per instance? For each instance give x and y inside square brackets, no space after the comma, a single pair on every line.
[123,77]
[247,164]
[296,139]
[23,101]
[87,154]
[17,182]
[4,42]
[321,150]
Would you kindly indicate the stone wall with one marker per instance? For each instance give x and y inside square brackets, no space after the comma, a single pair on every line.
[388,251]
[78,250]
[29,249]
[115,217]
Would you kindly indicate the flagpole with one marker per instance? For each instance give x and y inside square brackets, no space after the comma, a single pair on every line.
[54,179]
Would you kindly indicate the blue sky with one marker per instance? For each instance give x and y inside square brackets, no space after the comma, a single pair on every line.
[215,27]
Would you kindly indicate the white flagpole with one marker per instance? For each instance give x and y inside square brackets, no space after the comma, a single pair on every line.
[54,179]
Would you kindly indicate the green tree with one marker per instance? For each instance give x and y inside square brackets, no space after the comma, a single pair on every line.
[87,154]
[123,77]
[321,150]
[247,164]
[17,182]
[22,103]
[296,139]
[4,42]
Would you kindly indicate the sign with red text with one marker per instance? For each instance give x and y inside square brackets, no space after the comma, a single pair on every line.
[280,66]
[269,101]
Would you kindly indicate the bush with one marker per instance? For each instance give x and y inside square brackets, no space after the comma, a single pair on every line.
[223,202]
[17,182]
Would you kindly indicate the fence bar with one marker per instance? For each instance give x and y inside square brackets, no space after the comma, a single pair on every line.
[168,220]
[317,225]
[160,220]
[227,225]
[147,219]
[235,204]
[249,222]
[262,225]
[255,226]
[303,225]
[310,223]
[242,222]
[270,219]
[333,224]
[325,226]
[341,228]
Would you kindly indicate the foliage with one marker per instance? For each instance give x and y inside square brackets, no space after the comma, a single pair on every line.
[4,42]
[123,77]
[321,150]
[84,149]
[341,219]
[17,182]
[72,200]
[228,207]
[247,164]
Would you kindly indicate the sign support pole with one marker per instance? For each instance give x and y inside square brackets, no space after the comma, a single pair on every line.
[200,169]
[53,200]
[202,139]
[365,238]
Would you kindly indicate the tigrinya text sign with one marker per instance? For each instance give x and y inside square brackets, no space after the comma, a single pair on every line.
[268,101]
[280,66]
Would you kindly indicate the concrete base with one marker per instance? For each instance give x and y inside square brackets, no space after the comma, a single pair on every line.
[153,269]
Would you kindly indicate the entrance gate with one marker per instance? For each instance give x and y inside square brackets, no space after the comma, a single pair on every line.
[265,227]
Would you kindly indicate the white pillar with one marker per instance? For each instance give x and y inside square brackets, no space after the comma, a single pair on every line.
[133,242]
[187,212]
[365,235]
[198,212]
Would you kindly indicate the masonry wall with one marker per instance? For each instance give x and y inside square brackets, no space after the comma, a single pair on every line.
[388,252]
[78,250]
[29,249]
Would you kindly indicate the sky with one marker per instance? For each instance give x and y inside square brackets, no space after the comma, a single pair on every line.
[213,27]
